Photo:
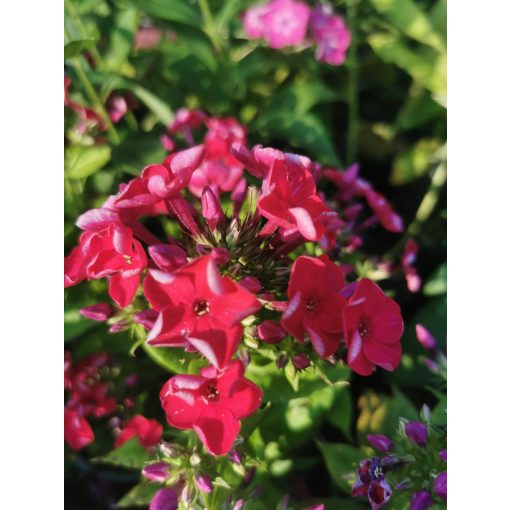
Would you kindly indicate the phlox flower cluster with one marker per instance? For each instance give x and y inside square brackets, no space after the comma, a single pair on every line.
[286,23]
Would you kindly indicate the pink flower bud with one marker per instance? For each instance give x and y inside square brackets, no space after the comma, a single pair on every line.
[301,361]
[119,326]
[158,472]
[382,443]
[168,257]
[167,143]
[425,338]
[238,195]
[238,504]
[204,483]
[164,499]
[271,332]
[146,318]
[211,208]
[236,457]
[99,312]
[220,255]
[251,283]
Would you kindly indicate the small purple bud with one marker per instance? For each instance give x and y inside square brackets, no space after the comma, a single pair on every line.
[382,443]
[220,255]
[282,361]
[244,356]
[119,326]
[404,485]
[158,472]
[204,483]
[211,207]
[284,504]
[236,457]
[432,365]
[417,432]
[249,476]
[270,332]
[425,338]
[238,195]
[440,485]
[238,504]
[99,312]
[131,380]
[390,462]
[301,361]
[164,499]
[442,455]
[256,492]
[421,500]
[146,318]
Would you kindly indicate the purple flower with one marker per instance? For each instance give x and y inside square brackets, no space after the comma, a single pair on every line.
[440,485]
[204,483]
[425,338]
[379,493]
[99,312]
[330,34]
[421,500]
[442,455]
[164,499]
[370,482]
[417,432]
[157,472]
[382,443]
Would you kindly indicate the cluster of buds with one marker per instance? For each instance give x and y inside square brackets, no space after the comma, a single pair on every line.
[435,361]
[416,460]
[284,23]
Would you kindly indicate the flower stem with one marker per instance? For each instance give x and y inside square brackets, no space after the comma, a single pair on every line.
[352,93]
[210,25]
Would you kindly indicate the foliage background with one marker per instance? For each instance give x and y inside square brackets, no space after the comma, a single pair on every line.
[384,108]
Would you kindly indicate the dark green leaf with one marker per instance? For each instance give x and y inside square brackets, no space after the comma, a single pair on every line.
[175,10]
[413,163]
[129,455]
[139,495]
[122,37]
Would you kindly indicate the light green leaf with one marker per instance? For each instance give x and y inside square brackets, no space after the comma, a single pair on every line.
[173,359]
[413,163]
[436,284]
[122,36]
[74,48]
[129,455]
[425,65]
[75,324]
[83,161]
[175,10]
[139,495]
[341,411]
[407,17]
[341,461]
[160,109]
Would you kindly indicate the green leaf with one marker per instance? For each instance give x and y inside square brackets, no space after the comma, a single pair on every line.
[341,411]
[407,17]
[173,359]
[341,461]
[74,48]
[122,37]
[130,455]
[83,161]
[436,284]
[413,163]
[75,325]
[425,65]
[139,495]
[249,424]
[175,10]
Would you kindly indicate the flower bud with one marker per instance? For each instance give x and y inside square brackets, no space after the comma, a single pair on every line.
[271,332]
[251,284]
[99,312]
[236,457]
[282,361]
[211,207]
[442,455]
[164,499]
[440,485]
[158,471]
[238,504]
[417,432]
[432,365]
[220,255]
[146,318]
[421,500]
[301,361]
[404,485]
[382,443]
[168,257]
[238,195]
[119,326]
[195,460]
[425,338]
[204,483]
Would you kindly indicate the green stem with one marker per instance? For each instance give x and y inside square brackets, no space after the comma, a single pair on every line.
[210,25]
[73,12]
[352,93]
[95,99]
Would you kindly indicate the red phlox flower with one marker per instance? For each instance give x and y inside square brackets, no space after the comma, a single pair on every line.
[148,432]
[289,202]
[112,253]
[388,218]
[408,265]
[373,327]
[315,303]
[87,116]
[200,307]
[212,404]
[77,430]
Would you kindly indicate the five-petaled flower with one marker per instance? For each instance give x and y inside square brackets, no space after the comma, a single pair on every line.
[211,403]
[315,303]
[370,482]
[199,307]
[373,327]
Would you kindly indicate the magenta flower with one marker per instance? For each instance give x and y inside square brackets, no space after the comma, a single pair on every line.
[253,20]
[417,432]
[99,312]
[331,35]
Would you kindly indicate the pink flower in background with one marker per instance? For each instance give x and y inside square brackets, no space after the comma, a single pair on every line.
[280,22]
[148,432]
[330,34]
[77,430]
[408,265]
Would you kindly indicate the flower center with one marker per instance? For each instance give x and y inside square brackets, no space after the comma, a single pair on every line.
[212,392]
[310,304]
[128,259]
[201,307]
[362,329]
